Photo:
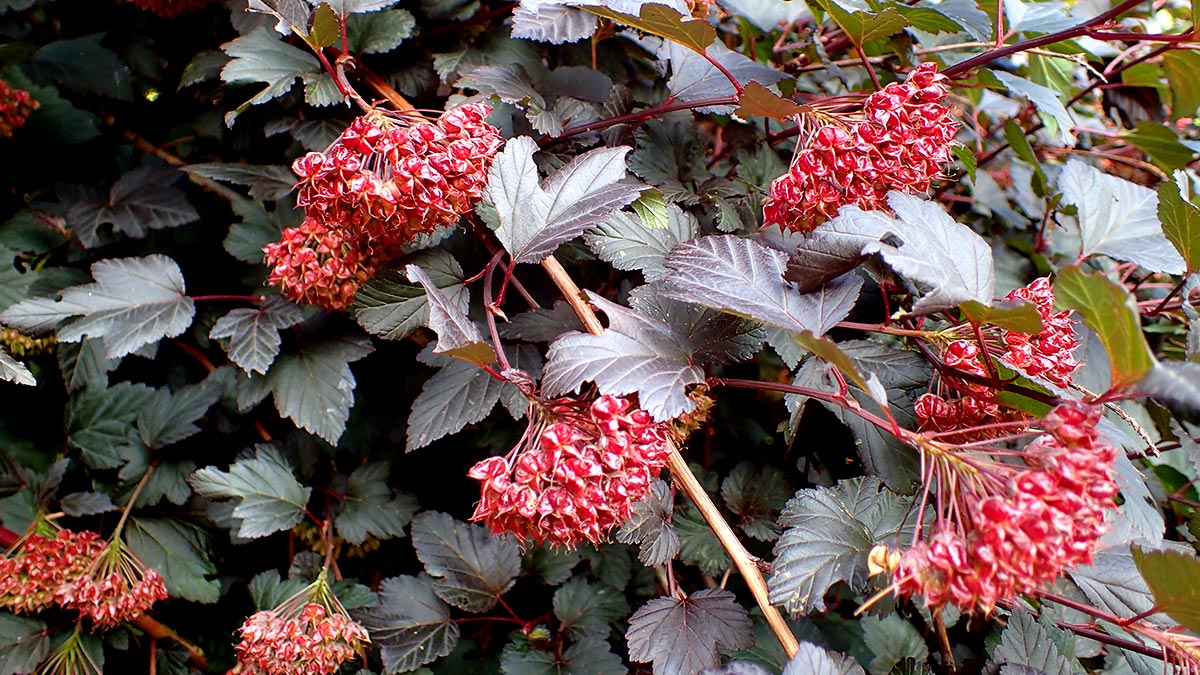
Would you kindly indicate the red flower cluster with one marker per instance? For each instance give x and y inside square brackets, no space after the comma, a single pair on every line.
[1012,527]
[171,8]
[382,182]
[310,641]
[901,142]
[116,587]
[40,565]
[575,475]
[15,107]
[1049,355]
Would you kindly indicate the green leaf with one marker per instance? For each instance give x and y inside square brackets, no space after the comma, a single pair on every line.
[346,7]
[756,497]
[78,504]
[1019,316]
[588,609]
[1173,578]
[628,243]
[829,352]
[133,302]
[745,278]
[83,363]
[1161,145]
[267,182]
[411,624]
[24,643]
[1180,218]
[1027,642]
[758,101]
[1181,67]
[55,120]
[315,387]
[828,534]
[458,337]
[892,639]
[99,422]
[262,57]
[142,200]
[268,496]
[379,32]
[1109,310]
[389,306]
[257,228]
[650,526]
[253,332]
[12,370]
[325,30]
[682,636]
[171,417]
[269,591]
[588,656]
[178,550]
[472,567]
[698,545]
[84,65]
[665,22]
[863,27]
[369,508]
[927,19]
[1054,115]
[1015,135]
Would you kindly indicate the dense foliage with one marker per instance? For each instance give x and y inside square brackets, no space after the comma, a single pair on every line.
[303,371]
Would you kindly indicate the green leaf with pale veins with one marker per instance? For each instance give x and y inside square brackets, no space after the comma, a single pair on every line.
[1161,145]
[472,567]
[12,370]
[392,307]
[1028,642]
[411,624]
[1109,310]
[860,26]
[268,496]
[1181,67]
[1180,218]
[262,57]
[253,332]
[665,22]
[1173,578]
[682,636]
[179,551]
[142,200]
[588,656]
[628,243]
[133,302]
[24,643]
[892,639]
[379,32]
[369,508]
[584,608]
[314,387]
[100,422]
[756,497]
[169,417]
[267,182]
[828,534]
[650,526]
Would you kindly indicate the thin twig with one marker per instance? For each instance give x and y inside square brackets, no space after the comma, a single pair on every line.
[687,482]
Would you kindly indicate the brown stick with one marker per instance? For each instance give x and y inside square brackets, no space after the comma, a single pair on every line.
[382,88]
[686,481]
[175,160]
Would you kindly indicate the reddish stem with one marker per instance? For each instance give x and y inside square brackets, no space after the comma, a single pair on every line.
[242,298]
[640,116]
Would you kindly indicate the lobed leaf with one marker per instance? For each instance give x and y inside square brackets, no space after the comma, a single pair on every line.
[179,551]
[253,332]
[458,337]
[411,624]
[1109,310]
[472,567]
[268,496]
[24,643]
[588,609]
[650,527]
[681,637]
[142,200]
[369,508]
[1180,219]
[1173,578]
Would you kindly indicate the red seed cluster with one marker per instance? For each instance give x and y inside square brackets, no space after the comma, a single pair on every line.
[116,588]
[39,566]
[575,475]
[168,9]
[382,182]
[315,641]
[900,142]
[1016,527]
[15,107]
[1049,355]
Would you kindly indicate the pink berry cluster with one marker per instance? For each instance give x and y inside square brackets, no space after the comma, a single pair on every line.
[576,474]
[15,107]
[900,142]
[1048,355]
[40,565]
[116,588]
[1013,527]
[384,181]
[311,641]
